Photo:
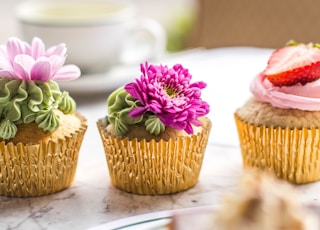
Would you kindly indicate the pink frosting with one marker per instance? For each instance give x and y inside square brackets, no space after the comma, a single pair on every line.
[303,97]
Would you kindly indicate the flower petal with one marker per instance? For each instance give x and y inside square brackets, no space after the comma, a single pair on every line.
[133,90]
[188,129]
[26,61]
[168,94]
[196,123]
[8,74]
[179,125]
[56,63]
[59,50]
[22,65]
[15,47]
[67,72]
[37,48]
[137,112]
[41,70]
[3,51]
[154,107]
[199,84]
[4,63]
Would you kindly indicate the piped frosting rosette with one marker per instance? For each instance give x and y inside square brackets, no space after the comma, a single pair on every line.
[156,132]
[298,96]
[37,155]
[31,101]
[280,131]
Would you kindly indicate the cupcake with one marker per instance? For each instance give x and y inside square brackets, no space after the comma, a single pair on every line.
[155,133]
[263,202]
[40,132]
[259,202]
[278,126]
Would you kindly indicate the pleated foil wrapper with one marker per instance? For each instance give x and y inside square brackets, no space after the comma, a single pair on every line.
[154,167]
[28,170]
[291,154]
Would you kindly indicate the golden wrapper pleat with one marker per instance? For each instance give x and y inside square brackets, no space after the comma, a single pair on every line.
[28,170]
[151,167]
[291,154]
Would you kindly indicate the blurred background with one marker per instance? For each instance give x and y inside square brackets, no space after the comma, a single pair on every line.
[256,23]
[216,23]
[177,16]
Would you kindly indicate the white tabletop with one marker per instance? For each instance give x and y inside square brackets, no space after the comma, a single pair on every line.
[92,200]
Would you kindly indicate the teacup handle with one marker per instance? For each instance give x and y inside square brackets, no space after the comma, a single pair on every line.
[146,41]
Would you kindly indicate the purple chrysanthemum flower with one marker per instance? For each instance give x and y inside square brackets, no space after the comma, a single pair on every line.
[168,94]
[19,60]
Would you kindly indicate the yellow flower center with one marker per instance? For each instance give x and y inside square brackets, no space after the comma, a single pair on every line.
[170,92]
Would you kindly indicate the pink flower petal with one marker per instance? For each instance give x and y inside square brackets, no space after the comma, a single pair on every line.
[56,63]
[168,94]
[188,129]
[33,62]
[137,112]
[37,48]
[15,47]
[3,51]
[41,70]
[59,50]
[179,125]
[8,74]
[4,63]
[196,123]
[199,84]
[67,73]
[132,89]
[22,65]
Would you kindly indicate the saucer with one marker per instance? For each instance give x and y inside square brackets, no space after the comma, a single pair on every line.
[121,74]
[101,82]
[160,220]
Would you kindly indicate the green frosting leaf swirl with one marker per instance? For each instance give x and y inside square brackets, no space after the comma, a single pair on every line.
[27,115]
[7,129]
[154,125]
[47,120]
[67,104]
[31,101]
[9,89]
[120,127]
[35,97]
[120,103]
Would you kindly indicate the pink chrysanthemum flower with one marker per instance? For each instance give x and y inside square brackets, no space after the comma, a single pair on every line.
[20,60]
[168,94]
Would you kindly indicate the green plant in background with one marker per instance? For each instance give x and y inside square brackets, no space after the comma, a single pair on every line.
[179,32]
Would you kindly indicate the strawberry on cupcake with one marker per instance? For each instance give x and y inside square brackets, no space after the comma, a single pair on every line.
[279,126]
[295,63]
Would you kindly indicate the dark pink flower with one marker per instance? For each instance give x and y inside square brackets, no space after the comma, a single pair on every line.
[169,95]
[19,60]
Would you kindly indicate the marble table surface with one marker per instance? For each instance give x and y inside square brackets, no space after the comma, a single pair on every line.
[92,200]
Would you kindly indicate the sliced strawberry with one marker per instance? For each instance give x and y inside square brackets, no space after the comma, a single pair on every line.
[293,64]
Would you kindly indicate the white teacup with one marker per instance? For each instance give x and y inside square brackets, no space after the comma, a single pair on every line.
[98,34]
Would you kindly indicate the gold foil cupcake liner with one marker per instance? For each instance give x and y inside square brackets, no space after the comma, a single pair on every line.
[291,154]
[39,169]
[151,167]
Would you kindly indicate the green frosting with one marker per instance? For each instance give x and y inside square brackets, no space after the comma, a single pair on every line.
[7,129]
[154,125]
[31,101]
[120,104]
[47,120]
[67,104]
